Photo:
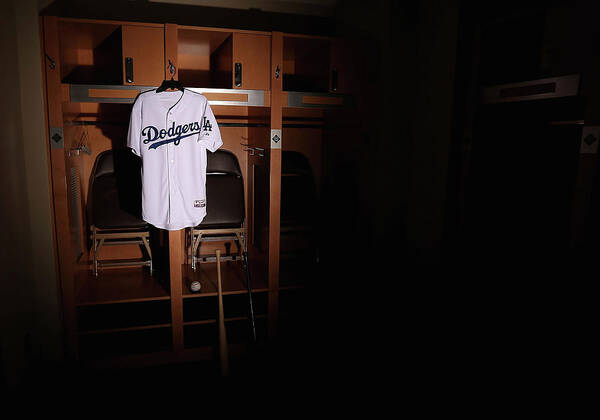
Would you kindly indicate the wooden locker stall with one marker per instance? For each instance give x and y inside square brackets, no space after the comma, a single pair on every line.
[204,58]
[222,58]
[312,102]
[269,92]
[143,65]
[124,310]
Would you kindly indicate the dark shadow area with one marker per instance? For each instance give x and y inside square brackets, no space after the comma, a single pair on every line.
[299,241]
[217,17]
[455,236]
[115,193]
[119,200]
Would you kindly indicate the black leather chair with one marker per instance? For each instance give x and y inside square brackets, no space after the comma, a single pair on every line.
[225,209]
[116,207]
[298,207]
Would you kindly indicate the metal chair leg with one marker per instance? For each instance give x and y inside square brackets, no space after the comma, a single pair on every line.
[196,243]
[192,253]
[146,242]
[95,250]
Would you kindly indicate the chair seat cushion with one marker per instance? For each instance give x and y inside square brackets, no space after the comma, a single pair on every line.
[116,205]
[224,202]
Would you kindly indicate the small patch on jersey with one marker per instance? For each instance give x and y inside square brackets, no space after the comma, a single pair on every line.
[199,203]
[206,125]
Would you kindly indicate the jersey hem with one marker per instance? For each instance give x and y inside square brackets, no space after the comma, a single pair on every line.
[171,226]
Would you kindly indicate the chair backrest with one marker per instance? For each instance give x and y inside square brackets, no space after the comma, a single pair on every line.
[295,163]
[298,189]
[224,191]
[222,162]
[104,164]
[123,160]
[219,162]
[115,191]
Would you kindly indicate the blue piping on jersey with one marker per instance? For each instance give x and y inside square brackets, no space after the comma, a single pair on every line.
[174,140]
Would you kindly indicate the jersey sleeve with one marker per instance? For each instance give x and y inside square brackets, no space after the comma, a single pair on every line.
[210,135]
[134,135]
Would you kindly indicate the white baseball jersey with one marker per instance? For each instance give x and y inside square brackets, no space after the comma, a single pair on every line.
[171,131]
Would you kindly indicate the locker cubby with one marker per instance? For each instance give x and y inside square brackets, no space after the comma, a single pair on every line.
[238,332]
[301,174]
[122,343]
[205,58]
[298,270]
[292,301]
[108,53]
[205,308]
[306,64]
[199,335]
[294,320]
[115,285]
[90,53]
[123,315]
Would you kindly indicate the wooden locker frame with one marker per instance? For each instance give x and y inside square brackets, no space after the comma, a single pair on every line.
[55,92]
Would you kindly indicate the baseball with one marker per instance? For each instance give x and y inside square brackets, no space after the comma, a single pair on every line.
[195,286]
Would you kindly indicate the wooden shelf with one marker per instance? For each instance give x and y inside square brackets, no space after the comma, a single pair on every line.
[154,358]
[320,100]
[233,279]
[119,343]
[198,335]
[119,285]
[125,329]
[230,319]
[123,94]
[126,94]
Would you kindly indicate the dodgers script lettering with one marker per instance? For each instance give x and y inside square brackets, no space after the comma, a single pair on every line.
[173,134]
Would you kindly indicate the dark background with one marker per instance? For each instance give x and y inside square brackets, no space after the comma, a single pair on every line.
[420,298]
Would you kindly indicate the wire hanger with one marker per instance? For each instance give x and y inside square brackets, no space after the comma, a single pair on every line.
[170,84]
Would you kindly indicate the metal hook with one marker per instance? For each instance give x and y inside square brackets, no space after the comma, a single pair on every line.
[52,62]
[81,147]
[77,150]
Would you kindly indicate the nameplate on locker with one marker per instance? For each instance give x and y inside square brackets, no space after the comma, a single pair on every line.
[275,139]
[590,137]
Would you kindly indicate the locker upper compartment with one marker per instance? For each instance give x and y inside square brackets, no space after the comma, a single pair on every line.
[111,53]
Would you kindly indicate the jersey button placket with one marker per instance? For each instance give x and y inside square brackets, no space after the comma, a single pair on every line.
[170,159]
[172,154]
[169,154]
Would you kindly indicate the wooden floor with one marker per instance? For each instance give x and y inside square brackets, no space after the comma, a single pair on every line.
[120,285]
[124,315]
[233,278]
[135,284]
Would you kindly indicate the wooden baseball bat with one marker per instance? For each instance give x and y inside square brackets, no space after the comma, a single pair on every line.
[223,352]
